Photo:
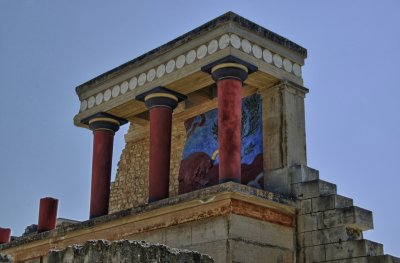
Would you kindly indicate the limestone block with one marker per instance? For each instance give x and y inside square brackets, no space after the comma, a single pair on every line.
[209,230]
[353,217]
[329,202]
[309,222]
[243,251]
[218,250]
[330,235]
[312,254]
[313,188]
[354,248]
[178,236]
[303,173]
[264,233]
[277,181]
[305,206]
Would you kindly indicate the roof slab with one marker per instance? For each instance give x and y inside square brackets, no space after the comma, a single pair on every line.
[178,65]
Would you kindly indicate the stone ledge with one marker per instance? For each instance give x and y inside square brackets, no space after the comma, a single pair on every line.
[223,198]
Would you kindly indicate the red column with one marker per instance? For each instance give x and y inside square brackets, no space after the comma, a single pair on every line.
[104,127]
[161,102]
[160,152]
[229,77]
[5,234]
[47,214]
[103,141]
[229,129]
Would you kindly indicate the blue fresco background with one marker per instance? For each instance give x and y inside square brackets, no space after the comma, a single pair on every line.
[202,132]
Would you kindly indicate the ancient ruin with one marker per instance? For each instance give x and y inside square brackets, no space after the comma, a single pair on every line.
[215,160]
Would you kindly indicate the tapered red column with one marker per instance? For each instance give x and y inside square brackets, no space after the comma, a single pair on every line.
[47,214]
[229,77]
[5,234]
[104,127]
[161,102]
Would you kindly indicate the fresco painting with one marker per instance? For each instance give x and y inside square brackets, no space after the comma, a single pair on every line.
[200,160]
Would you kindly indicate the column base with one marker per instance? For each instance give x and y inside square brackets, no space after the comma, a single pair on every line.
[225,180]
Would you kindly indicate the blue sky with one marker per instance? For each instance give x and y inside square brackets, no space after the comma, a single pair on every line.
[47,48]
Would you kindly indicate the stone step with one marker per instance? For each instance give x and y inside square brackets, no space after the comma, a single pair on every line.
[371,259]
[329,202]
[353,217]
[302,173]
[314,188]
[330,235]
[352,249]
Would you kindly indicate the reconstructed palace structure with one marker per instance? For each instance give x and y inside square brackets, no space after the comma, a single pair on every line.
[215,161]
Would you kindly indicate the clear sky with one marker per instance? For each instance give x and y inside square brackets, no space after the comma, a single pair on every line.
[47,48]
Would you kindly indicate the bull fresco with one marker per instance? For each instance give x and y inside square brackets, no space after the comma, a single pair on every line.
[200,160]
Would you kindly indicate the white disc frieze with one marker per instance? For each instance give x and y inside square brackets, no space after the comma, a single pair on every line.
[107,95]
[160,70]
[83,105]
[246,46]
[235,41]
[212,46]
[115,91]
[224,41]
[91,102]
[124,87]
[190,56]
[142,79]
[99,98]
[180,61]
[277,60]
[287,65]
[132,83]
[151,74]
[257,51]
[170,66]
[201,51]
[297,70]
[267,56]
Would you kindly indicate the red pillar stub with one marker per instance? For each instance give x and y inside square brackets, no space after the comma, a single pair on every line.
[47,214]
[5,235]
[229,77]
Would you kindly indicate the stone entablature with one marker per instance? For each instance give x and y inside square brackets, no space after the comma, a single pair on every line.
[179,62]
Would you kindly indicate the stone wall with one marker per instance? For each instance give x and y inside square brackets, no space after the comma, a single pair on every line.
[124,251]
[5,259]
[130,187]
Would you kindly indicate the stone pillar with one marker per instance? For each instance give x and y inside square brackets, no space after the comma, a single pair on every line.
[229,77]
[161,102]
[47,214]
[104,127]
[5,234]
[284,137]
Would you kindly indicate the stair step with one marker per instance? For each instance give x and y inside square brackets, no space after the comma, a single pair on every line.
[353,249]
[353,216]
[313,188]
[330,235]
[323,203]
[302,173]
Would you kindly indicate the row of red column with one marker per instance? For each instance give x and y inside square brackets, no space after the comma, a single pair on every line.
[161,102]
[46,221]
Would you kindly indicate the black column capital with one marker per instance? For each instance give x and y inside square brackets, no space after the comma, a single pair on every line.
[104,121]
[161,97]
[229,67]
